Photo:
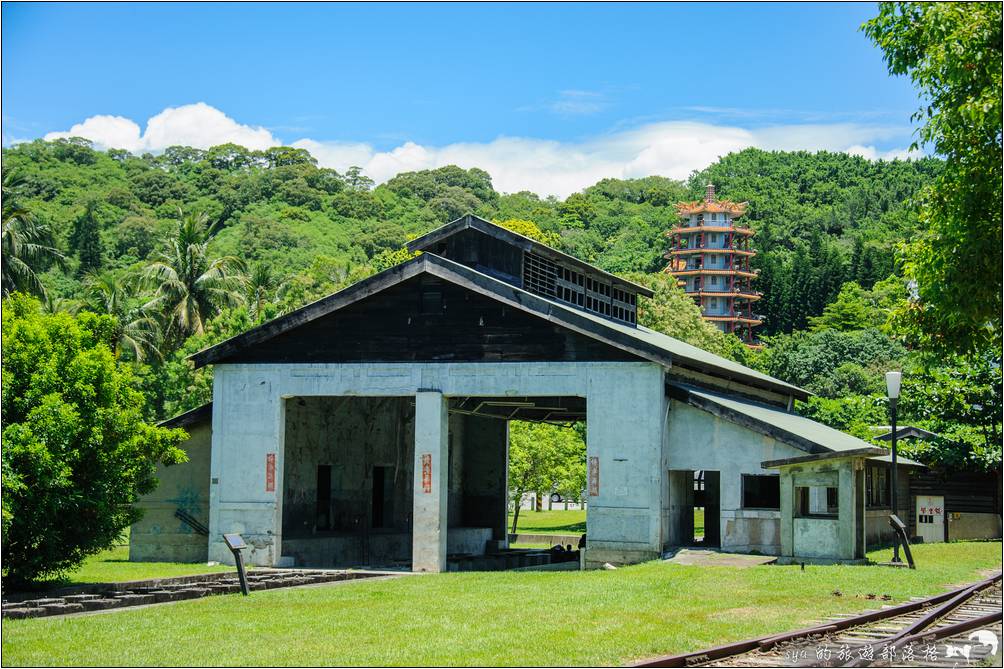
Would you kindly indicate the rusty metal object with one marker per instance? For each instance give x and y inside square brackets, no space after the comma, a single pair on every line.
[944,603]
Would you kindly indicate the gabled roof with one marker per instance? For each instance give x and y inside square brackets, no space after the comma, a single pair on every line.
[198,415]
[472,222]
[640,341]
[906,432]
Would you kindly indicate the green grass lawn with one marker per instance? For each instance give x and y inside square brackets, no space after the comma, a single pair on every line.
[495,618]
[113,566]
[571,522]
[550,522]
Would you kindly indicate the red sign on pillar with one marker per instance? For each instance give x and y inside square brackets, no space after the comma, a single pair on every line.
[426,472]
[270,472]
[594,476]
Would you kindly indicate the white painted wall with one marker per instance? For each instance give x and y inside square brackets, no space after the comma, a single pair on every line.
[695,439]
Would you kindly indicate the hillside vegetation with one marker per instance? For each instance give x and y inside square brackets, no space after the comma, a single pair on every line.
[191,246]
[821,219]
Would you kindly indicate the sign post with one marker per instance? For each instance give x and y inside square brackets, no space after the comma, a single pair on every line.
[236,544]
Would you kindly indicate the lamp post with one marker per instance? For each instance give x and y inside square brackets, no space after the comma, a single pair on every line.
[892,384]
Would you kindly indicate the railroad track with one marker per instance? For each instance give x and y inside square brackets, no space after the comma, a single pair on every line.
[961,627]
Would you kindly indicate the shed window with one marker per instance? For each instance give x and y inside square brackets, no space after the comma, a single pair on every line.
[761,491]
[816,502]
[877,486]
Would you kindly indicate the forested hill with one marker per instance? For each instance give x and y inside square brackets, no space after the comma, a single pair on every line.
[821,218]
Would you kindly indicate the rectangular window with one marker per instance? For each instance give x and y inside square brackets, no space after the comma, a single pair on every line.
[877,486]
[761,491]
[714,217]
[323,515]
[816,502]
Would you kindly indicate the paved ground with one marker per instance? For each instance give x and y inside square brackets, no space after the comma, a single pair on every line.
[705,557]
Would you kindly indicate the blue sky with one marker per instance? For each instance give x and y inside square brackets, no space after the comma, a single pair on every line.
[544,96]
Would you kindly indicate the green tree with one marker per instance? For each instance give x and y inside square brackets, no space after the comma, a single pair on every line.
[192,287]
[849,312]
[262,287]
[543,458]
[961,400]
[137,332]
[86,239]
[953,54]
[811,360]
[77,453]
[26,242]
[530,229]
[674,313]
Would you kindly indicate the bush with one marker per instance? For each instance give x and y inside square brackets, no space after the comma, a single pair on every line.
[77,453]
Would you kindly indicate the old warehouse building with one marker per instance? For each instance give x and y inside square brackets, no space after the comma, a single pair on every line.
[370,427]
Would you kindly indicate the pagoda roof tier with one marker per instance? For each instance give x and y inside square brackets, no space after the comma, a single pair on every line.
[682,230]
[713,207]
[681,252]
[733,319]
[719,272]
[751,296]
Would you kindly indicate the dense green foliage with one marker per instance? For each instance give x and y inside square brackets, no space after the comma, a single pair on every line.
[77,452]
[821,219]
[196,246]
[544,458]
[953,54]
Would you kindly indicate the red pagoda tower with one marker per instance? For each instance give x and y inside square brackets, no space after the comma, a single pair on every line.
[710,254]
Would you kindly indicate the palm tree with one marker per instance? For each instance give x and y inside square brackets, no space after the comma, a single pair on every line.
[26,242]
[138,331]
[261,286]
[192,287]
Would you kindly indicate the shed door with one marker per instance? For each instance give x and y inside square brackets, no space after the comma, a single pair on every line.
[931,518]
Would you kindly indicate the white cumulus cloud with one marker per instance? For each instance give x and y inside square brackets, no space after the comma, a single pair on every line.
[198,125]
[548,167]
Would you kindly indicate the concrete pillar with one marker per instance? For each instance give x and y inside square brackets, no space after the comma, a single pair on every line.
[429,523]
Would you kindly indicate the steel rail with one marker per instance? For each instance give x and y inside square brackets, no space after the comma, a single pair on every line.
[915,628]
[953,597]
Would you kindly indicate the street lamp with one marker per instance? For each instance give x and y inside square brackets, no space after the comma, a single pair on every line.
[893,380]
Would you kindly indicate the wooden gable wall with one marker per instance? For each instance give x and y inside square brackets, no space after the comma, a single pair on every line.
[426,319]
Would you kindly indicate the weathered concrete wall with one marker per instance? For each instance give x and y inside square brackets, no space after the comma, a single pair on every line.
[484,474]
[696,440]
[159,536]
[626,418]
[352,435]
[974,526]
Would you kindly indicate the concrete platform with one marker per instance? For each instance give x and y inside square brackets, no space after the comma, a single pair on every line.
[705,557]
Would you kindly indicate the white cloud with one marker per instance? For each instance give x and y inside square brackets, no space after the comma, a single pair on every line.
[673,149]
[198,125]
[110,132]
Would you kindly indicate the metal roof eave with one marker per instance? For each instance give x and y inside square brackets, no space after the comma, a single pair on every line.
[645,343]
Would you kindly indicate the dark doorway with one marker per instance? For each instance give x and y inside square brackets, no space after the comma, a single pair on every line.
[383,497]
[323,516]
[707,508]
